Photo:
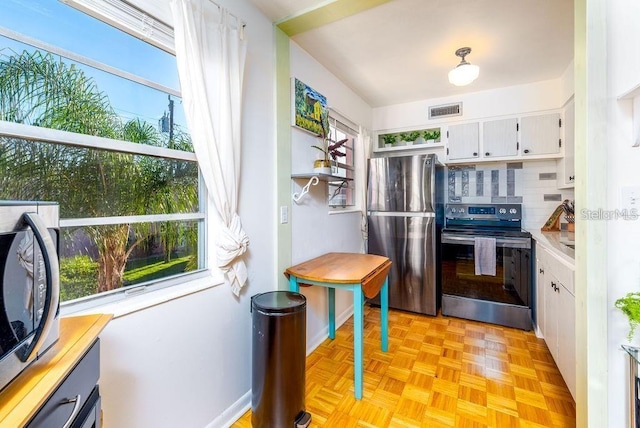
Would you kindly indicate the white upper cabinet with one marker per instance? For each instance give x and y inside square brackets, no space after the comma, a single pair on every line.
[500,138]
[566,165]
[463,141]
[540,135]
[490,139]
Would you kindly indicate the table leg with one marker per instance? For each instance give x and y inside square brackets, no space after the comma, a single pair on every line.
[331,293]
[384,315]
[293,284]
[358,321]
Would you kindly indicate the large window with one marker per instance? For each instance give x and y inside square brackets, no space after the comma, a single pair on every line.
[91,117]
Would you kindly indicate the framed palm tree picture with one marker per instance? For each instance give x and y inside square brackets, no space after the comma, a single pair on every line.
[310,111]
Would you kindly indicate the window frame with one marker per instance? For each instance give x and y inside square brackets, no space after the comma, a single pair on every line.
[123,17]
[337,122]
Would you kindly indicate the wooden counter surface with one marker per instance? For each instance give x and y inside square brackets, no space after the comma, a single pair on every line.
[22,398]
[345,268]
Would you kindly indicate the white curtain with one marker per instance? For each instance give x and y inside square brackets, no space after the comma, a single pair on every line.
[364,137]
[211,51]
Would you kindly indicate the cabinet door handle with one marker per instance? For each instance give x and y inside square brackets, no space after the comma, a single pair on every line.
[475,153]
[541,270]
[572,177]
[74,412]
[526,150]
[487,154]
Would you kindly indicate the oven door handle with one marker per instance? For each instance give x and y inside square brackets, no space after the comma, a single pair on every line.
[500,241]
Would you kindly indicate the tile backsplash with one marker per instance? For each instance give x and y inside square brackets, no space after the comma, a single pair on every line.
[532,184]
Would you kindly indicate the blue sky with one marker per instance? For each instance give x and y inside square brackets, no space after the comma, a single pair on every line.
[53,22]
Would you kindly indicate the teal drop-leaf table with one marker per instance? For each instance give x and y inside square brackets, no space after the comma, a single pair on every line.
[365,275]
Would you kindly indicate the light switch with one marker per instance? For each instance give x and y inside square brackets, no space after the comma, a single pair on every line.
[284,214]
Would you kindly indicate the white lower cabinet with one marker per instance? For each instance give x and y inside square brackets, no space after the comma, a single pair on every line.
[540,289]
[567,337]
[556,313]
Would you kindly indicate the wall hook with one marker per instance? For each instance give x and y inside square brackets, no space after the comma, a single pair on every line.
[312,182]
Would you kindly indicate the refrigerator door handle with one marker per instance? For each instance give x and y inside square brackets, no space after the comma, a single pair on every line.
[428,167]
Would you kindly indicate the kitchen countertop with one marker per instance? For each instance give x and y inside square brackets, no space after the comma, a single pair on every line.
[24,396]
[552,241]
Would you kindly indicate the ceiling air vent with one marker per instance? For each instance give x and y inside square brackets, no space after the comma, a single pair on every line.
[445,110]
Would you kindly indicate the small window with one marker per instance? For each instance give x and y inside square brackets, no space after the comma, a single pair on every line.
[341,191]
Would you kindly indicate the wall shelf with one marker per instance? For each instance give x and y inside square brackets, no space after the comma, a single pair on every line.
[419,146]
[314,178]
[400,143]
[322,177]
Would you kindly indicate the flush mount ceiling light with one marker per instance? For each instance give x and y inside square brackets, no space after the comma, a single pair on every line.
[464,73]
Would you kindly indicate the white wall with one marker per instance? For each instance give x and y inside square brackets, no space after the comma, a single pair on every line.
[521,99]
[178,364]
[314,230]
[623,170]
[187,362]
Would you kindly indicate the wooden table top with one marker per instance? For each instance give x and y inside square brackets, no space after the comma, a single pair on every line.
[345,268]
[20,400]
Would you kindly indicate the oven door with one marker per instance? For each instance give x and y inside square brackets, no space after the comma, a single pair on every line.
[29,287]
[501,299]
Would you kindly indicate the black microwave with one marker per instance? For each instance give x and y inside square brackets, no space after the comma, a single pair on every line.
[29,284]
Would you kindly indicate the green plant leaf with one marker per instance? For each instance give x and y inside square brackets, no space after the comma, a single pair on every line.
[389,138]
[630,305]
[413,136]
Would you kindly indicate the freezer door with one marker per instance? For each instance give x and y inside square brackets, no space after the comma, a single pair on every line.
[402,184]
[410,243]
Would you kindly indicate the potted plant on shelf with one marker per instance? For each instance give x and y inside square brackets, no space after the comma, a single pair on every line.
[630,305]
[409,137]
[431,136]
[389,140]
[330,150]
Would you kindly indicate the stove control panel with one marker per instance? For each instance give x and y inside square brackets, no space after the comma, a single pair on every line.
[495,212]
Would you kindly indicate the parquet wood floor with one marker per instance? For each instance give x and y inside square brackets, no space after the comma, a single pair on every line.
[439,372]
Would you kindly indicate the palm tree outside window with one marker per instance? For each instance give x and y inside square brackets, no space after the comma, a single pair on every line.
[81,123]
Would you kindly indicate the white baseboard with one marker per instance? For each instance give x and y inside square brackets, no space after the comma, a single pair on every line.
[320,337]
[233,413]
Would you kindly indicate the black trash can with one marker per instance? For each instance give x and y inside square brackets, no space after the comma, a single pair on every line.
[278,354]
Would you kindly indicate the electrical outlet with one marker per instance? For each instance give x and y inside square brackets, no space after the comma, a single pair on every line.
[284,214]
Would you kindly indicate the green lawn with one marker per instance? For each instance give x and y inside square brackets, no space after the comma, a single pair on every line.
[79,275]
[156,270]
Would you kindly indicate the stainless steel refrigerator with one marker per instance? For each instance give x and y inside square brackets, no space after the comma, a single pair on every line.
[405,207]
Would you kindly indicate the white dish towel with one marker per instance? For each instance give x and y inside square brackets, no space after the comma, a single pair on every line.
[485,256]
